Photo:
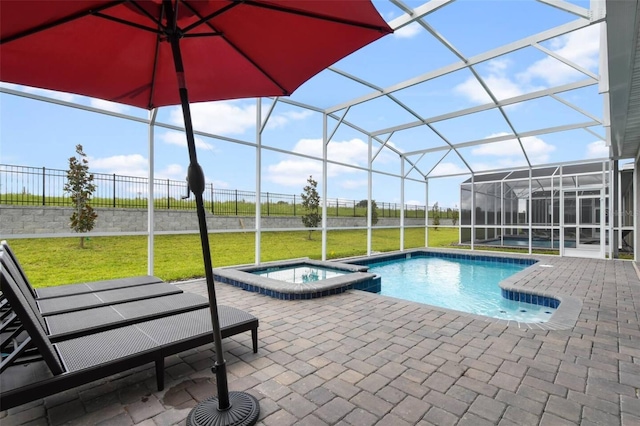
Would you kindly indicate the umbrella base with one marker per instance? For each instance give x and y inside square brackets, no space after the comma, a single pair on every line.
[244,411]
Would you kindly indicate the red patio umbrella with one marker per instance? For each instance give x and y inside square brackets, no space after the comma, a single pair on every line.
[139,52]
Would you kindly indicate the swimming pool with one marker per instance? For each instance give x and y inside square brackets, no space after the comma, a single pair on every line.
[463,283]
[524,242]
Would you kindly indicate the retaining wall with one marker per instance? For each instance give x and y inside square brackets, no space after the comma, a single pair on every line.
[17,220]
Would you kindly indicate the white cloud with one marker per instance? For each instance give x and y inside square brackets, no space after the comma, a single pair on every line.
[282,119]
[224,117]
[180,139]
[126,165]
[580,47]
[444,169]
[295,171]
[298,115]
[597,149]
[107,105]
[62,96]
[172,171]
[231,117]
[354,151]
[501,86]
[408,31]
[68,97]
[389,15]
[537,150]
[219,183]
[134,165]
[498,65]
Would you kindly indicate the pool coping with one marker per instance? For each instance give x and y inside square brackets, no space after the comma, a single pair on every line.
[566,314]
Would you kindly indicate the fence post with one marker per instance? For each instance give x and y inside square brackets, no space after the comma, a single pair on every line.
[294,205]
[236,202]
[114,190]
[337,209]
[43,184]
[212,203]
[168,199]
[267,204]
[354,208]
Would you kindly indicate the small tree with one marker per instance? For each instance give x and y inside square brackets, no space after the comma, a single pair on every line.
[374,210]
[80,186]
[435,214]
[311,203]
[455,215]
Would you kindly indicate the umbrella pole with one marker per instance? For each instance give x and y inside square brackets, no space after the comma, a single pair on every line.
[235,408]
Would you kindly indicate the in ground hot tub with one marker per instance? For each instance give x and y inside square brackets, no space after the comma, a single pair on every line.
[299,279]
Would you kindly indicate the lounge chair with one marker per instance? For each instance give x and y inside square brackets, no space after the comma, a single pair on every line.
[75,302]
[81,288]
[27,376]
[90,321]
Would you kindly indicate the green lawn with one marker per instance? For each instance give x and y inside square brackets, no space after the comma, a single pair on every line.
[55,261]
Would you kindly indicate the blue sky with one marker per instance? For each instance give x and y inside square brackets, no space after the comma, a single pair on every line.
[40,134]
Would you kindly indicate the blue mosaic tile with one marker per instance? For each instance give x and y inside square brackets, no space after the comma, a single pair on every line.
[485,258]
[530,298]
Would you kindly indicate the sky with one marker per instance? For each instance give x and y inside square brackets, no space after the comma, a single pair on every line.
[41,134]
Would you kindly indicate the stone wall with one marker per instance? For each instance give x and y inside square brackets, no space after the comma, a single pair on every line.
[21,220]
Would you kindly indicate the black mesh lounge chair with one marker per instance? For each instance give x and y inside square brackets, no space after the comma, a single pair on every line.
[76,302]
[74,362]
[82,288]
[92,320]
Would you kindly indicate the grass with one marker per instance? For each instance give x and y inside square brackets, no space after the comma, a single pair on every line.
[55,261]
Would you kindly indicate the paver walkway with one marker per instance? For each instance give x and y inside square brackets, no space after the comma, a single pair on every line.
[363,359]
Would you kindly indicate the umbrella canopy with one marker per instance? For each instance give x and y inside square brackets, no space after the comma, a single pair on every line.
[118,50]
[146,53]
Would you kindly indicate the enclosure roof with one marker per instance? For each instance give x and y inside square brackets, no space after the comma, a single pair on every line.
[478,86]
[544,172]
[474,86]
[623,24]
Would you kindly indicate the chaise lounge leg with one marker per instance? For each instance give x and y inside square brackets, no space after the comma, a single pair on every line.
[160,373]
[254,338]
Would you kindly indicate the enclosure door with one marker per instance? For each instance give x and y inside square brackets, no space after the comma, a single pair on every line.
[582,230]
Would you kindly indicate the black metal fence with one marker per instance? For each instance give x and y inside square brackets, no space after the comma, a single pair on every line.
[22,185]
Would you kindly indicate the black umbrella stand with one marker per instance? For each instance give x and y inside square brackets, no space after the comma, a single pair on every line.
[228,408]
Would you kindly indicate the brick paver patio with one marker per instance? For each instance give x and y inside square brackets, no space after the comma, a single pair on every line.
[363,359]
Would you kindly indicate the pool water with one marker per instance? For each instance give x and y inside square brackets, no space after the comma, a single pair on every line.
[461,284]
[524,242]
[300,274]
